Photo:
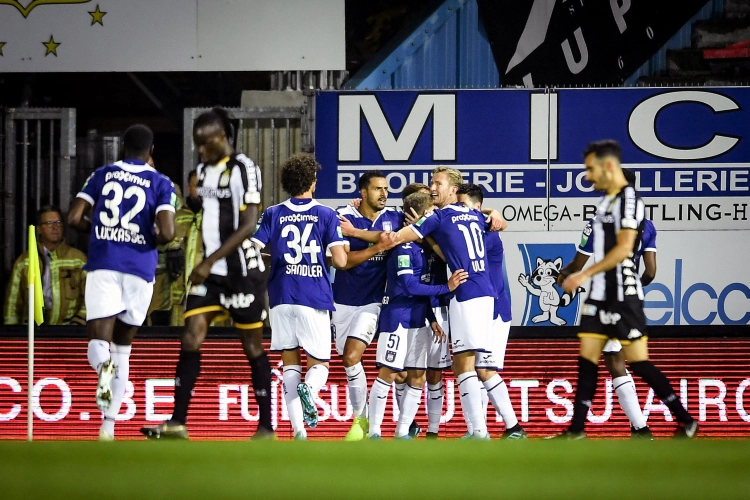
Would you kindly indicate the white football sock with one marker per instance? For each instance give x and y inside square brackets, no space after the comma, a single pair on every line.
[98,353]
[378,401]
[121,357]
[628,398]
[316,377]
[357,383]
[435,398]
[400,391]
[292,377]
[409,407]
[497,391]
[471,401]
[485,400]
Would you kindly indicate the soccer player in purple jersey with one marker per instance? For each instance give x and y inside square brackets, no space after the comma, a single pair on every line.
[358,289]
[134,208]
[405,324]
[300,231]
[488,365]
[614,307]
[614,360]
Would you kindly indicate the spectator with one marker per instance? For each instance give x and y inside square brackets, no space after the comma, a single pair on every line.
[63,277]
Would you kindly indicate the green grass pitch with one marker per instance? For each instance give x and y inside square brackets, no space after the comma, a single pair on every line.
[390,470]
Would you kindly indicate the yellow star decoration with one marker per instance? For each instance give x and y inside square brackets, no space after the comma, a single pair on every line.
[97,16]
[2,44]
[51,46]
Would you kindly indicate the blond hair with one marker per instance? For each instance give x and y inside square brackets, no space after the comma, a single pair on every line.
[454,176]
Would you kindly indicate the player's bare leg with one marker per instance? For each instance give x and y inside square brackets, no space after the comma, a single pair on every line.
[252,345]
[357,387]
[497,392]
[626,394]
[469,388]
[636,352]
[187,372]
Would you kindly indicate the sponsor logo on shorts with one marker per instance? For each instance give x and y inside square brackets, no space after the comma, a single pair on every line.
[608,318]
[237,300]
[390,356]
[198,290]
[457,343]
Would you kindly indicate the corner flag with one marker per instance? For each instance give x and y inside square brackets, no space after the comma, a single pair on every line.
[34,277]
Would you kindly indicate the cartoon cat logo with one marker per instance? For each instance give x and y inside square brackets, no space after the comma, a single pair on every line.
[541,283]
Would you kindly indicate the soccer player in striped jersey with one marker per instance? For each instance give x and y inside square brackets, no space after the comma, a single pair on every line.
[358,289]
[134,208]
[300,231]
[230,278]
[488,365]
[614,360]
[614,308]
[405,334]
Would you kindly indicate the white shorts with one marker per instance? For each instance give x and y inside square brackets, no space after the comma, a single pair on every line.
[439,355]
[406,348]
[356,322]
[471,323]
[498,341]
[112,293]
[613,346]
[294,326]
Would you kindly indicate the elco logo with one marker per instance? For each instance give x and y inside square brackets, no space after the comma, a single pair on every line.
[608,318]
[237,300]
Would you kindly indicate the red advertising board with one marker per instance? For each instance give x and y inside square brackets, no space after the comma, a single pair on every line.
[711,375]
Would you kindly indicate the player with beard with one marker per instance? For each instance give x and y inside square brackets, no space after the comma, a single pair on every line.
[359,286]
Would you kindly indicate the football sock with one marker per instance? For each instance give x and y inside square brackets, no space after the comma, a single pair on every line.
[628,398]
[409,407]
[292,377]
[98,353]
[188,369]
[485,398]
[261,378]
[662,388]
[587,373]
[434,406]
[497,391]
[121,357]
[471,401]
[316,377]
[378,401]
[357,384]
[400,391]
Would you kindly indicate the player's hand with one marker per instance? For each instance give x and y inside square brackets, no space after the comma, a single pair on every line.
[564,273]
[438,333]
[175,262]
[356,202]
[497,223]
[457,278]
[411,217]
[200,273]
[347,228]
[387,240]
[574,281]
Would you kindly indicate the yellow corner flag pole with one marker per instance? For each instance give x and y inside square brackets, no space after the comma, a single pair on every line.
[36,315]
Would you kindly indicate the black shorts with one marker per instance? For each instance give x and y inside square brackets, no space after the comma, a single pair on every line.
[244,297]
[624,321]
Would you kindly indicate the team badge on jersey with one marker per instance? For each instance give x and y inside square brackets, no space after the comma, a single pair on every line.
[387,226]
[390,356]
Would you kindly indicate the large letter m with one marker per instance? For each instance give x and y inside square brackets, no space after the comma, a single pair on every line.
[353,107]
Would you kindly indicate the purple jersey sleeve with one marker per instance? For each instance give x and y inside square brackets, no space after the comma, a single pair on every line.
[262,235]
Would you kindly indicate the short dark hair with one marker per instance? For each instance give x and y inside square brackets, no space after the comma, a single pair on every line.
[138,140]
[472,191]
[629,176]
[364,180]
[414,187]
[217,116]
[193,173]
[298,173]
[604,148]
[419,202]
[47,209]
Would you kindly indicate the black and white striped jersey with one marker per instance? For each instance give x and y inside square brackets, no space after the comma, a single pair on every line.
[226,189]
[625,210]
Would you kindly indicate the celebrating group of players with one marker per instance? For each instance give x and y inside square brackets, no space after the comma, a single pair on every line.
[427,279]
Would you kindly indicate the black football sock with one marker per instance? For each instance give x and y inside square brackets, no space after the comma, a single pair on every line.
[587,374]
[261,376]
[662,388]
[188,369]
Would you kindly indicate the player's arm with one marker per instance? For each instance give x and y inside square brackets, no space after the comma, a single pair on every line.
[339,256]
[573,266]
[357,257]
[411,283]
[434,247]
[348,230]
[625,242]
[165,227]
[649,273]
[496,221]
[77,215]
